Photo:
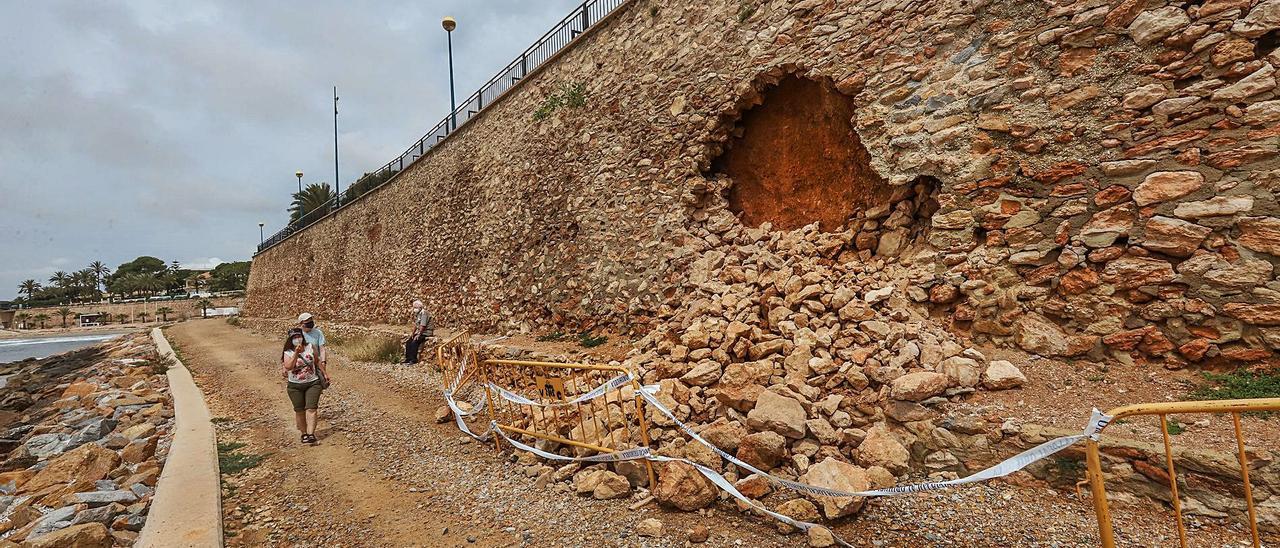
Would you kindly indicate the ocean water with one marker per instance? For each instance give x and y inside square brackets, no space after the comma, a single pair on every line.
[12,350]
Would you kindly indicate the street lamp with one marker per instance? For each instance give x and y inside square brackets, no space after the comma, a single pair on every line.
[299,174]
[449,24]
[261,239]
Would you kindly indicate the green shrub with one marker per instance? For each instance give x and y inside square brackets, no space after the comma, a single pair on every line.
[587,339]
[552,337]
[1239,385]
[572,95]
[1175,427]
[234,320]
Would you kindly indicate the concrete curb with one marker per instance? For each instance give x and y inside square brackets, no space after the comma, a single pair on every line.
[187,508]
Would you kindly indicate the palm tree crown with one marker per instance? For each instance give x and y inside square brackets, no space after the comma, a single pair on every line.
[313,198]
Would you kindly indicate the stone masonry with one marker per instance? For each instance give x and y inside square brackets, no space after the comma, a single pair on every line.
[1076,179]
[1105,170]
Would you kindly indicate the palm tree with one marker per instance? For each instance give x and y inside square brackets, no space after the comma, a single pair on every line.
[203,305]
[86,282]
[64,312]
[122,318]
[60,279]
[30,287]
[41,317]
[315,197]
[100,272]
[142,316]
[164,312]
[21,319]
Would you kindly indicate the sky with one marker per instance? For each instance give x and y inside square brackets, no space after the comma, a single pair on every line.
[173,129]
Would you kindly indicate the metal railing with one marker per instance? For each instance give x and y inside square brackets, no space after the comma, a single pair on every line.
[560,36]
[1162,411]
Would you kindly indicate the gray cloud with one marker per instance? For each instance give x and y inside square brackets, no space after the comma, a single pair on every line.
[148,129]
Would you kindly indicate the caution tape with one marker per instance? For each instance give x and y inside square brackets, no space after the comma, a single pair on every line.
[1097,421]
[1092,430]
[594,393]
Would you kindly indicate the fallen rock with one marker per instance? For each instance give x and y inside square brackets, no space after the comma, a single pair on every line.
[682,486]
[763,450]
[80,467]
[821,537]
[650,528]
[778,413]
[610,486]
[835,474]
[1002,375]
[881,448]
[917,386]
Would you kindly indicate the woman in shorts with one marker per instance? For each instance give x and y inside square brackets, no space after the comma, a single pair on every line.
[306,379]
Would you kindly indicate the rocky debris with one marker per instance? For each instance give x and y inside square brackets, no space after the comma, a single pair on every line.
[820,537]
[834,474]
[1002,375]
[682,486]
[650,527]
[89,446]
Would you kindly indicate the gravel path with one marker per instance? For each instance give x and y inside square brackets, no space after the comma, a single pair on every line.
[385,474]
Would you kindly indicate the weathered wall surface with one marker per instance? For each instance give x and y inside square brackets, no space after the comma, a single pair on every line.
[1104,171]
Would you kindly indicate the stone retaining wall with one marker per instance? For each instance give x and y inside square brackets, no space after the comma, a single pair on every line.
[1105,169]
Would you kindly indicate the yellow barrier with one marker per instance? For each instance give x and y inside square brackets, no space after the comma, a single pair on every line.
[598,425]
[1162,410]
[453,355]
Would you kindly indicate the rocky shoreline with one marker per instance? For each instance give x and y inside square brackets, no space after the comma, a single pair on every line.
[83,438]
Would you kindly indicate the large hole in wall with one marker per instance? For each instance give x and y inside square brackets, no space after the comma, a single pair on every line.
[796,159]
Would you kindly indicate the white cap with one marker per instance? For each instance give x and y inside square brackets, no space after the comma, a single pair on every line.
[417,304]
[304,317]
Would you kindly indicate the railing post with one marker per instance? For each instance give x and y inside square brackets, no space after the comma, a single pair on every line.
[524,65]
[1094,473]
[586,17]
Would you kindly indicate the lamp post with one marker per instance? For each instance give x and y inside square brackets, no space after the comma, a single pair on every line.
[261,239]
[449,24]
[299,174]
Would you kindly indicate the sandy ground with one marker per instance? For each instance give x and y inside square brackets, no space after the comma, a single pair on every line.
[385,474]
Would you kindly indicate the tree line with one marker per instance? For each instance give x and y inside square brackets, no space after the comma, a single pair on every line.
[144,277]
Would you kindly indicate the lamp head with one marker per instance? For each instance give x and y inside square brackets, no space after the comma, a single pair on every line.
[299,174]
[260,225]
[449,24]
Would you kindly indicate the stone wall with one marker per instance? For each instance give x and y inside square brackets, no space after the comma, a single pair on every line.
[1105,173]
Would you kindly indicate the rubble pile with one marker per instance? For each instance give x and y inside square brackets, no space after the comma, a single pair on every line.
[83,438]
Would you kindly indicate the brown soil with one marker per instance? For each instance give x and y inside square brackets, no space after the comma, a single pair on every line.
[799,160]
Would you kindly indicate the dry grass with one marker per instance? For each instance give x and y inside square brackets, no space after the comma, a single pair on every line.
[369,349]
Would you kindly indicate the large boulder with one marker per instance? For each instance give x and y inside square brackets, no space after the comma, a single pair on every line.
[86,535]
[918,386]
[881,448]
[80,468]
[682,486]
[834,474]
[1002,375]
[1036,334]
[763,450]
[778,413]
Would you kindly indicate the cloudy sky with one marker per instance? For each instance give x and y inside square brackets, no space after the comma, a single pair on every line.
[172,129]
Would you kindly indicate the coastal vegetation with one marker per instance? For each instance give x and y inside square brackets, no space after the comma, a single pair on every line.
[145,277]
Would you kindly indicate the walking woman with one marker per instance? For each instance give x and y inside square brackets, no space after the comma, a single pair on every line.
[307,378]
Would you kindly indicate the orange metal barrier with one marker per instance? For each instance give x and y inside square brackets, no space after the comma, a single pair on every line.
[612,422]
[455,354]
[1162,410]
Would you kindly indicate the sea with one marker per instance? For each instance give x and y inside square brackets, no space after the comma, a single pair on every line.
[12,350]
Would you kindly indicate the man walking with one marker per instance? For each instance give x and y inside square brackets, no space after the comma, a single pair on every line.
[314,336]
[422,328]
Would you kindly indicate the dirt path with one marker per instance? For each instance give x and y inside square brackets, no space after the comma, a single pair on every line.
[385,474]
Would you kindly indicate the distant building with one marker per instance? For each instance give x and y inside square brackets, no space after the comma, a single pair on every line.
[92,319]
[6,319]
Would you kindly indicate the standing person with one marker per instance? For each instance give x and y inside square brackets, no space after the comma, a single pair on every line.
[307,378]
[422,328]
[314,336]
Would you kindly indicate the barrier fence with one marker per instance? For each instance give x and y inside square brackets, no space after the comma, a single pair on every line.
[585,16]
[591,408]
[1162,410]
